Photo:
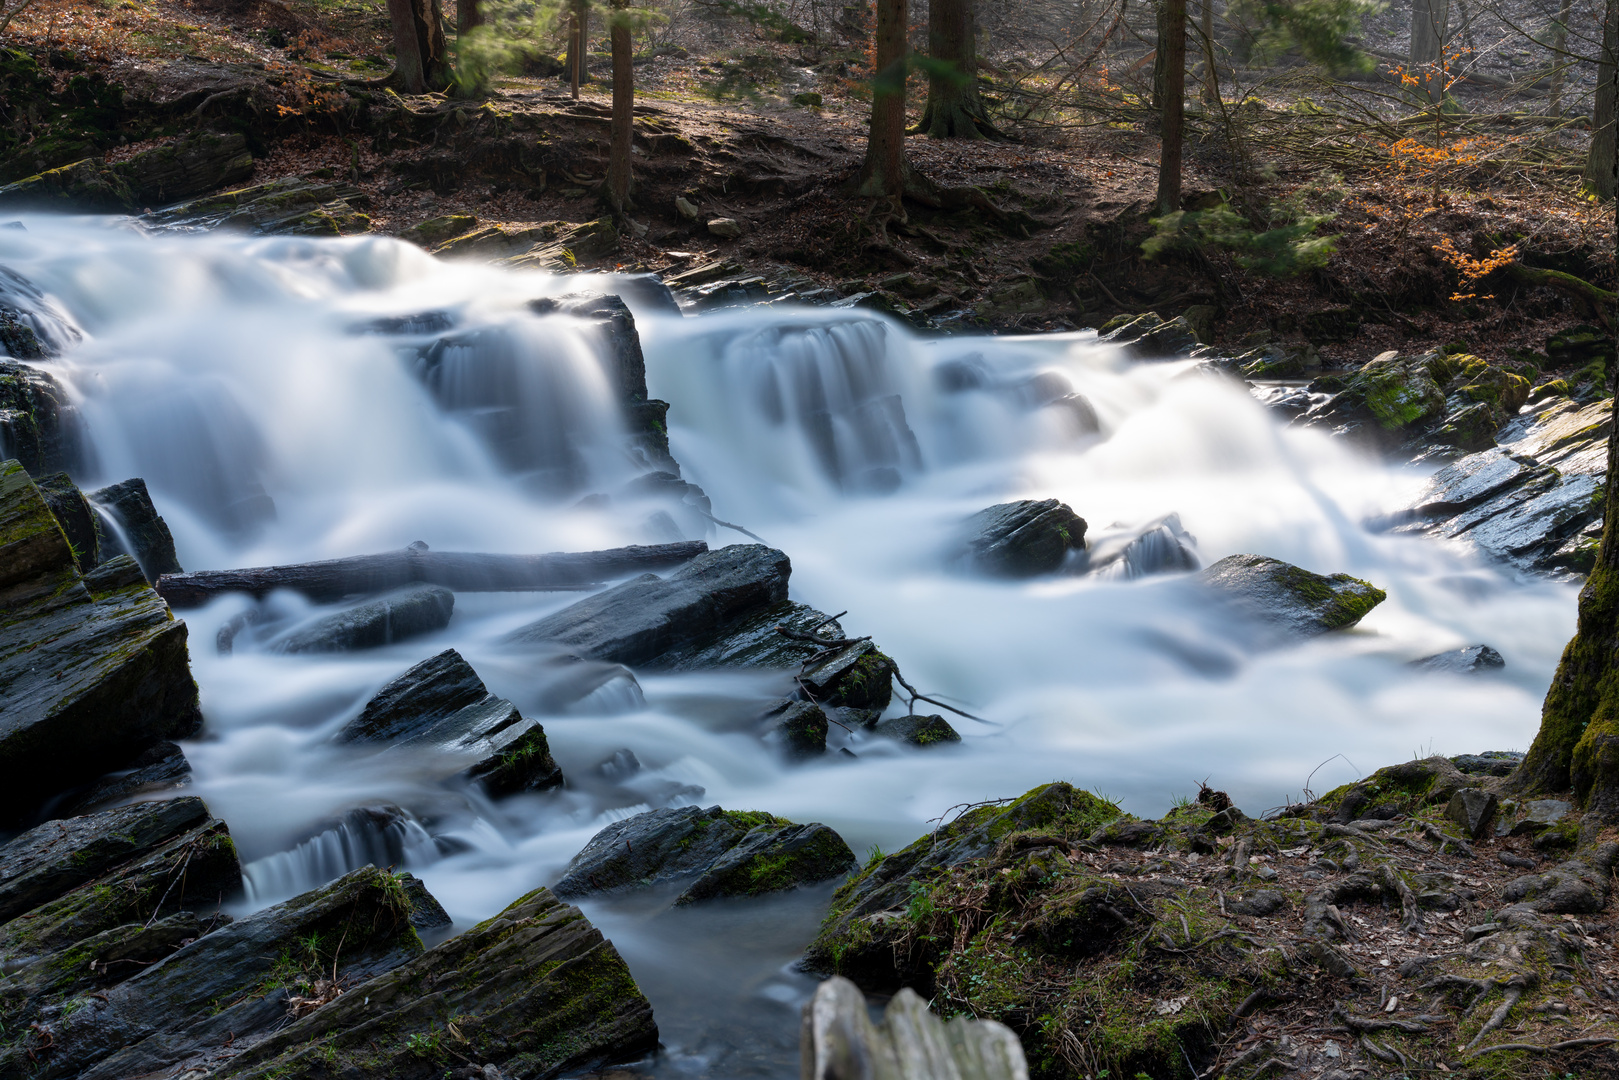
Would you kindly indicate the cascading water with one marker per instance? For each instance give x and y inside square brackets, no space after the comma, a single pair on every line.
[289,400]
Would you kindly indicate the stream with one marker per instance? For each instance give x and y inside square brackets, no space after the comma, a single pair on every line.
[237,377]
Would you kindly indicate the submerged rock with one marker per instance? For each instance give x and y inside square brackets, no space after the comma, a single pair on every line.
[138,530]
[798,727]
[93,670]
[1464,661]
[910,1041]
[1021,539]
[919,731]
[1159,547]
[396,616]
[441,704]
[1288,599]
[728,852]
[641,621]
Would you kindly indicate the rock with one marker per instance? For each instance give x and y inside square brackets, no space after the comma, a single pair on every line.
[753,642]
[185,168]
[773,858]
[38,425]
[230,988]
[920,731]
[910,1041]
[1577,887]
[441,705]
[1464,661]
[1471,810]
[1018,297]
[1391,791]
[1470,426]
[809,99]
[1531,817]
[427,915]
[858,676]
[686,208]
[798,726]
[136,528]
[292,206]
[73,513]
[1383,402]
[1289,599]
[704,273]
[439,229]
[550,245]
[1489,763]
[640,621]
[1159,547]
[1147,337]
[50,859]
[93,671]
[1020,539]
[87,185]
[161,768]
[766,854]
[725,228]
[535,991]
[395,616]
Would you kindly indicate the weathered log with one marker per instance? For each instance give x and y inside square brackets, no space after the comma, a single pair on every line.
[334,579]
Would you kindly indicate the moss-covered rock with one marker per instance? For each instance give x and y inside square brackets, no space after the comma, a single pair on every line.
[1288,599]
[1020,539]
[918,731]
[141,533]
[38,425]
[1386,399]
[773,858]
[437,230]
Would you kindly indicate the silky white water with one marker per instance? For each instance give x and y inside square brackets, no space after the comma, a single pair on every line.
[232,375]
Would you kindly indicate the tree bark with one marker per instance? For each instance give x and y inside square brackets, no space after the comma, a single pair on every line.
[334,579]
[883,174]
[467,15]
[622,133]
[420,53]
[1172,103]
[954,110]
[1559,48]
[1211,75]
[1428,19]
[578,27]
[1599,166]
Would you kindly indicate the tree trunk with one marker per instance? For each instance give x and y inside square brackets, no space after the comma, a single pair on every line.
[578,27]
[1428,19]
[954,110]
[1211,76]
[1599,166]
[1559,48]
[883,174]
[1172,103]
[623,129]
[420,53]
[467,15]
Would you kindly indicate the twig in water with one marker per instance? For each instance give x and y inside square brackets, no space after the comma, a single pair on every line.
[728,525]
[915,697]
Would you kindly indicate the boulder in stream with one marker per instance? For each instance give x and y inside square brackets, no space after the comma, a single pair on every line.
[641,621]
[93,669]
[727,852]
[918,731]
[909,1042]
[1464,661]
[1288,599]
[140,531]
[1020,539]
[1149,337]
[396,616]
[441,704]
[1384,401]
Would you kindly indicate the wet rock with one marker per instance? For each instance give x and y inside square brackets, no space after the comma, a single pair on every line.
[441,706]
[439,229]
[230,988]
[798,727]
[292,206]
[1382,402]
[136,528]
[1020,539]
[93,671]
[396,616]
[1471,480]
[1288,599]
[641,621]
[72,511]
[753,641]
[50,859]
[427,915]
[535,991]
[1159,547]
[1464,661]
[1489,763]
[162,768]
[672,844]
[38,425]
[550,245]
[919,731]
[1148,337]
[857,676]
[911,1041]
[1472,810]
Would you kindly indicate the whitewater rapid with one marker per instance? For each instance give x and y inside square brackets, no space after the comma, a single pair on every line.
[235,375]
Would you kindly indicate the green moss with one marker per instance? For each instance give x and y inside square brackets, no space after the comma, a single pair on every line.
[749,819]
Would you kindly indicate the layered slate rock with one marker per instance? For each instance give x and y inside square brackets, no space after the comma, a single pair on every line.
[74,513]
[641,621]
[753,641]
[38,425]
[441,705]
[397,616]
[93,670]
[1288,600]
[230,987]
[728,853]
[534,992]
[1020,539]
[1149,337]
[141,532]
[177,170]
[1383,402]
[291,206]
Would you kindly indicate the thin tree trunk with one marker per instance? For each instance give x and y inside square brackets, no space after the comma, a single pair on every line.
[1211,77]
[579,24]
[1559,48]
[407,50]
[623,127]
[1172,47]
[883,173]
[1599,166]
[467,15]
[1428,19]
[954,110]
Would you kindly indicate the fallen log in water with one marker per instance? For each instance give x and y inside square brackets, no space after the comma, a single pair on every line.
[334,579]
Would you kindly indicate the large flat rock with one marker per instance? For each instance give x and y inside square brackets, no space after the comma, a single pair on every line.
[1289,600]
[93,670]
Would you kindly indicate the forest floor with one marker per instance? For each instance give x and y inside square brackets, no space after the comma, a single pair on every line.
[720,129]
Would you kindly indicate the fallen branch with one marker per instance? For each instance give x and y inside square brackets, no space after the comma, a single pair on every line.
[728,525]
[1600,301]
[334,579]
[915,697]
